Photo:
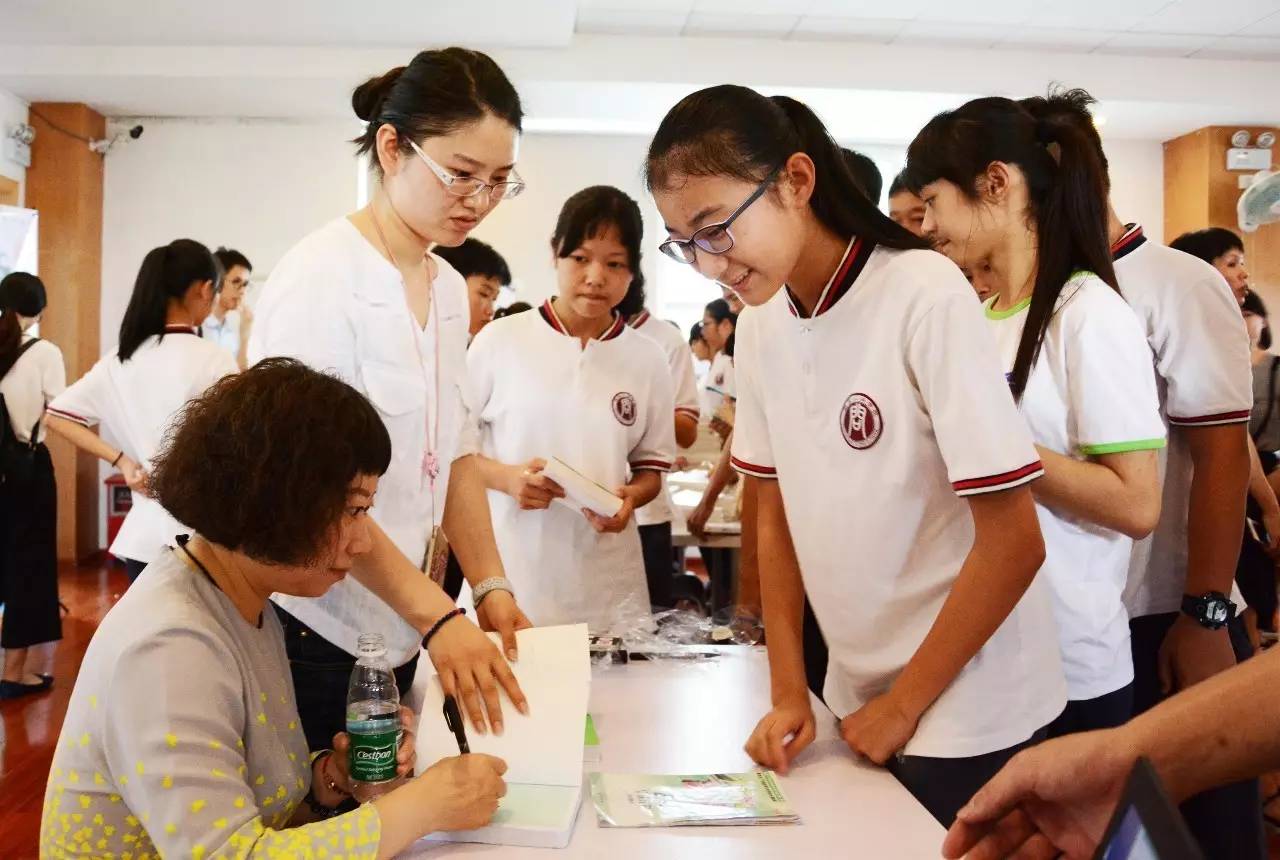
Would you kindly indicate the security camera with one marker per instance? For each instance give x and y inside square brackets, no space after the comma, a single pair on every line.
[103,146]
[136,132]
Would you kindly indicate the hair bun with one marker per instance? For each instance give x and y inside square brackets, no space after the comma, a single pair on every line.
[367,99]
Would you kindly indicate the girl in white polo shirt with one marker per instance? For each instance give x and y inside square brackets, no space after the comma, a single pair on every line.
[135,390]
[573,381]
[1028,198]
[870,401]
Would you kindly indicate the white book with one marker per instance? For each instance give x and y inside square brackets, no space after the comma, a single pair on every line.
[543,750]
[580,491]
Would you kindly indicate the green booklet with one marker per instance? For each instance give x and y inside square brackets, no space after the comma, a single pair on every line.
[647,800]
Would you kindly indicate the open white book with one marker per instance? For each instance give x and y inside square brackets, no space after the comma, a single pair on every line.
[543,750]
[580,491]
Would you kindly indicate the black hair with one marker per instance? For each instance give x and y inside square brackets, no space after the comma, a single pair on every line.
[1209,244]
[474,257]
[865,173]
[167,272]
[734,131]
[1072,111]
[588,214]
[439,92]
[1253,304]
[21,293]
[1065,185]
[899,185]
[695,334]
[229,258]
[720,311]
[512,309]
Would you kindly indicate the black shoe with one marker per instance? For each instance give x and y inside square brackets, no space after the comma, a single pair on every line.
[17,689]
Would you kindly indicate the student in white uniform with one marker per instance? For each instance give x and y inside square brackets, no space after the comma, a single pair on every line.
[574,382]
[1029,200]
[718,325]
[230,322]
[486,274]
[1181,578]
[137,389]
[654,519]
[363,298]
[31,374]
[870,400]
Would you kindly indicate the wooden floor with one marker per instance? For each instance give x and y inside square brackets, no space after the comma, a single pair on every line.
[30,726]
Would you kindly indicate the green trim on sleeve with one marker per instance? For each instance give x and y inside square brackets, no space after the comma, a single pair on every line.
[1122,447]
[993,314]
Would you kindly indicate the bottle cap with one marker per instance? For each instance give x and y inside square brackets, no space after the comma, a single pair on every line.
[371,645]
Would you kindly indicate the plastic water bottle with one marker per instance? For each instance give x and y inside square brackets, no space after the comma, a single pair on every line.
[373,720]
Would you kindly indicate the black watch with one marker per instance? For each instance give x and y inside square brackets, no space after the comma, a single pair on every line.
[1211,610]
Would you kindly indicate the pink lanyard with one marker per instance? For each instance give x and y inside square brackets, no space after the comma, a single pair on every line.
[430,462]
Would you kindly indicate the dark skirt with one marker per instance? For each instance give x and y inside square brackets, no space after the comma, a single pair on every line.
[29,557]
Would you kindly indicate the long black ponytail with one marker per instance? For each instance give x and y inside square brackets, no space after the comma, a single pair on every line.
[734,131]
[1066,182]
[21,294]
[167,273]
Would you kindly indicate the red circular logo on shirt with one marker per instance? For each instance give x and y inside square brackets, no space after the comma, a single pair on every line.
[624,408]
[860,422]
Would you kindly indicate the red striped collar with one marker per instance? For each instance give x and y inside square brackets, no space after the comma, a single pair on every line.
[1129,242]
[639,319]
[842,280]
[548,312]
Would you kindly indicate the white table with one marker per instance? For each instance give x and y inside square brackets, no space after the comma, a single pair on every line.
[693,717]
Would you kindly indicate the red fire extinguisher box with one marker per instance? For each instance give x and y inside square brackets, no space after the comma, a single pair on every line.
[119,502]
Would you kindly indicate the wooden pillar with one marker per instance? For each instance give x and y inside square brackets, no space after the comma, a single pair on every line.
[8,191]
[64,184]
[1200,192]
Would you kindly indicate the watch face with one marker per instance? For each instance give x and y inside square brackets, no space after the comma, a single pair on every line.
[1216,611]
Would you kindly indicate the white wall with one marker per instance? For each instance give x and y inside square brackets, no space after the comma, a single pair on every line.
[13,110]
[1137,182]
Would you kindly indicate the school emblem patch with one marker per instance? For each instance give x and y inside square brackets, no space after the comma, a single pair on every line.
[860,422]
[624,408]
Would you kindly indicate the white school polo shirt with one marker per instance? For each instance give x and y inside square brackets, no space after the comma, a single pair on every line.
[718,385]
[138,400]
[34,380]
[606,410]
[1194,327]
[337,304]
[1091,392]
[680,365]
[877,416]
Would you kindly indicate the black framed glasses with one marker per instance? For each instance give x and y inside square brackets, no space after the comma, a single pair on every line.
[713,238]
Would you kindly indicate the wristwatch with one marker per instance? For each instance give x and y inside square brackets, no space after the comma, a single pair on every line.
[1211,610]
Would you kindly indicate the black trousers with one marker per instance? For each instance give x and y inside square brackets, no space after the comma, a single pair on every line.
[453,577]
[29,557]
[321,672]
[1103,712]
[815,651]
[133,569]
[1226,821]
[944,785]
[659,564]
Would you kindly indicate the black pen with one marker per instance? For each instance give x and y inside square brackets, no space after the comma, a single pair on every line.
[453,719]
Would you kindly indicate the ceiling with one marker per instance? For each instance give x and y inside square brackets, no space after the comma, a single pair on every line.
[875,70]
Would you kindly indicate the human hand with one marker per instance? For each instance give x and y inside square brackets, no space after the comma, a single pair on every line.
[782,734]
[697,519]
[533,490]
[339,765]
[499,613]
[135,476]
[1052,800]
[462,792]
[246,318]
[471,669]
[879,729]
[617,522]
[1191,653]
[1271,522]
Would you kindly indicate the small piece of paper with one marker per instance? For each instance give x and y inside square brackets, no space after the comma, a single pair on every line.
[580,491]
[648,800]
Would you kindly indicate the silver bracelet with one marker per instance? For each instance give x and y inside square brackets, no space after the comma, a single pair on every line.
[490,585]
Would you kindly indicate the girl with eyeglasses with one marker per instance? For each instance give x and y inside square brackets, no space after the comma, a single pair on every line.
[871,403]
[364,297]
[573,381]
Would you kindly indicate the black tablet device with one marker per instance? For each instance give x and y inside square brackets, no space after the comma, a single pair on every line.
[1146,825]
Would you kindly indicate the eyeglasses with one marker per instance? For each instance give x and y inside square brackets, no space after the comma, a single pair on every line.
[469,186]
[713,238]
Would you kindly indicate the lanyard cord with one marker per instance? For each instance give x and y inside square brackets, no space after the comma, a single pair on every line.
[430,462]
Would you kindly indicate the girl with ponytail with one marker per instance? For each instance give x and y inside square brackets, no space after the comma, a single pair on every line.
[136,390]
[870,397]
[365,297]
[1026,196]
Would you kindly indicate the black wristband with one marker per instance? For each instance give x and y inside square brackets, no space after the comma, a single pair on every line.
[435,628]
[117,459]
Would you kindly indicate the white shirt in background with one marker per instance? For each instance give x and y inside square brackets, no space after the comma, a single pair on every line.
[225,332]
[717,385]
[33,381]
[335,303]
[138,400]
[680,364]
[1091,392]
[1194,327]
[604,409]
[876,416]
